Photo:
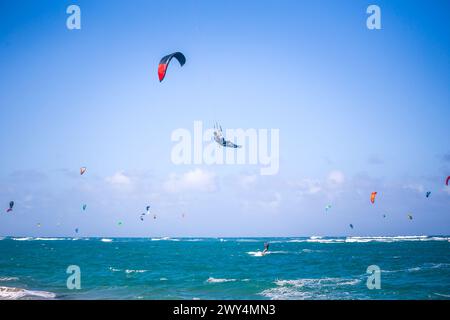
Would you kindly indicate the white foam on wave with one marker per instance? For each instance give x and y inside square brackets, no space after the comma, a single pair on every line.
[114,269]
[39,239]
[10,293]
[9,278]
[106,240]
[305,288]
[135,271]
[256,253]
[219,280]
[389,239]
[310,251]
[442,295]
[336,240]
[260,253]
[164,238]
[423,267]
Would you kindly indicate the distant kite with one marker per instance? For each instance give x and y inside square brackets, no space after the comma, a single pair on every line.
[351,226]
[448,179]
[428,194]
[76,230]
[84,207]
[372,197]
[11,205]
[82,170]
[327,207]
[410,217]
[164,63]
[145,214]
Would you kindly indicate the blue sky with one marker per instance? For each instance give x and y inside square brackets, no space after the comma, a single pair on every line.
[358,111]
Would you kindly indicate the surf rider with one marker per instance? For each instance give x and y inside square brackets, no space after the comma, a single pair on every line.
[266,248]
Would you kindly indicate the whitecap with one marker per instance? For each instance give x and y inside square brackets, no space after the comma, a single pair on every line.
[135,271]
[219,280]
[9,278]
[11,293]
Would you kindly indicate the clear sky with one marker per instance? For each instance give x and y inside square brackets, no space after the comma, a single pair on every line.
[358,110]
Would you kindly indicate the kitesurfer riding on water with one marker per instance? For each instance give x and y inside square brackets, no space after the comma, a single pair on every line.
[266,247]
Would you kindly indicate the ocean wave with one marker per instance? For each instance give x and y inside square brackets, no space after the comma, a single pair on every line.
[22,239]
[310,251]
[423,267]
[306,288]
[114,269]
[164,239]
[442,295]
[135,271]
[38,239]
[11,293]
[106,240]
[336,240]
[9,278]
[256,253]
[394,239]
[219,280]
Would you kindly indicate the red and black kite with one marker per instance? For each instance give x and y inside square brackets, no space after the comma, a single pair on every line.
[164,63]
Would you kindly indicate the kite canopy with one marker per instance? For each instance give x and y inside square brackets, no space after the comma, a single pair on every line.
[428,194]
[410,217]
[164,63]
[11,205]
[372,197]
[448,179]
[351,226]
[82,170]
[84,206]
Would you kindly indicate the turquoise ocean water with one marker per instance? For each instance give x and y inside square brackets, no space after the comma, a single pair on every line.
[415,267]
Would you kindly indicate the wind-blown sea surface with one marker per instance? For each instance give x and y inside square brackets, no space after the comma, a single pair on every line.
[412,267]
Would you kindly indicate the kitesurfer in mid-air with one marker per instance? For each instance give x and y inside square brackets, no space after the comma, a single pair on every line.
[220,139]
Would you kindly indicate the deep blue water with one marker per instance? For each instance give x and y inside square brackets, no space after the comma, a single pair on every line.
[229,268]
